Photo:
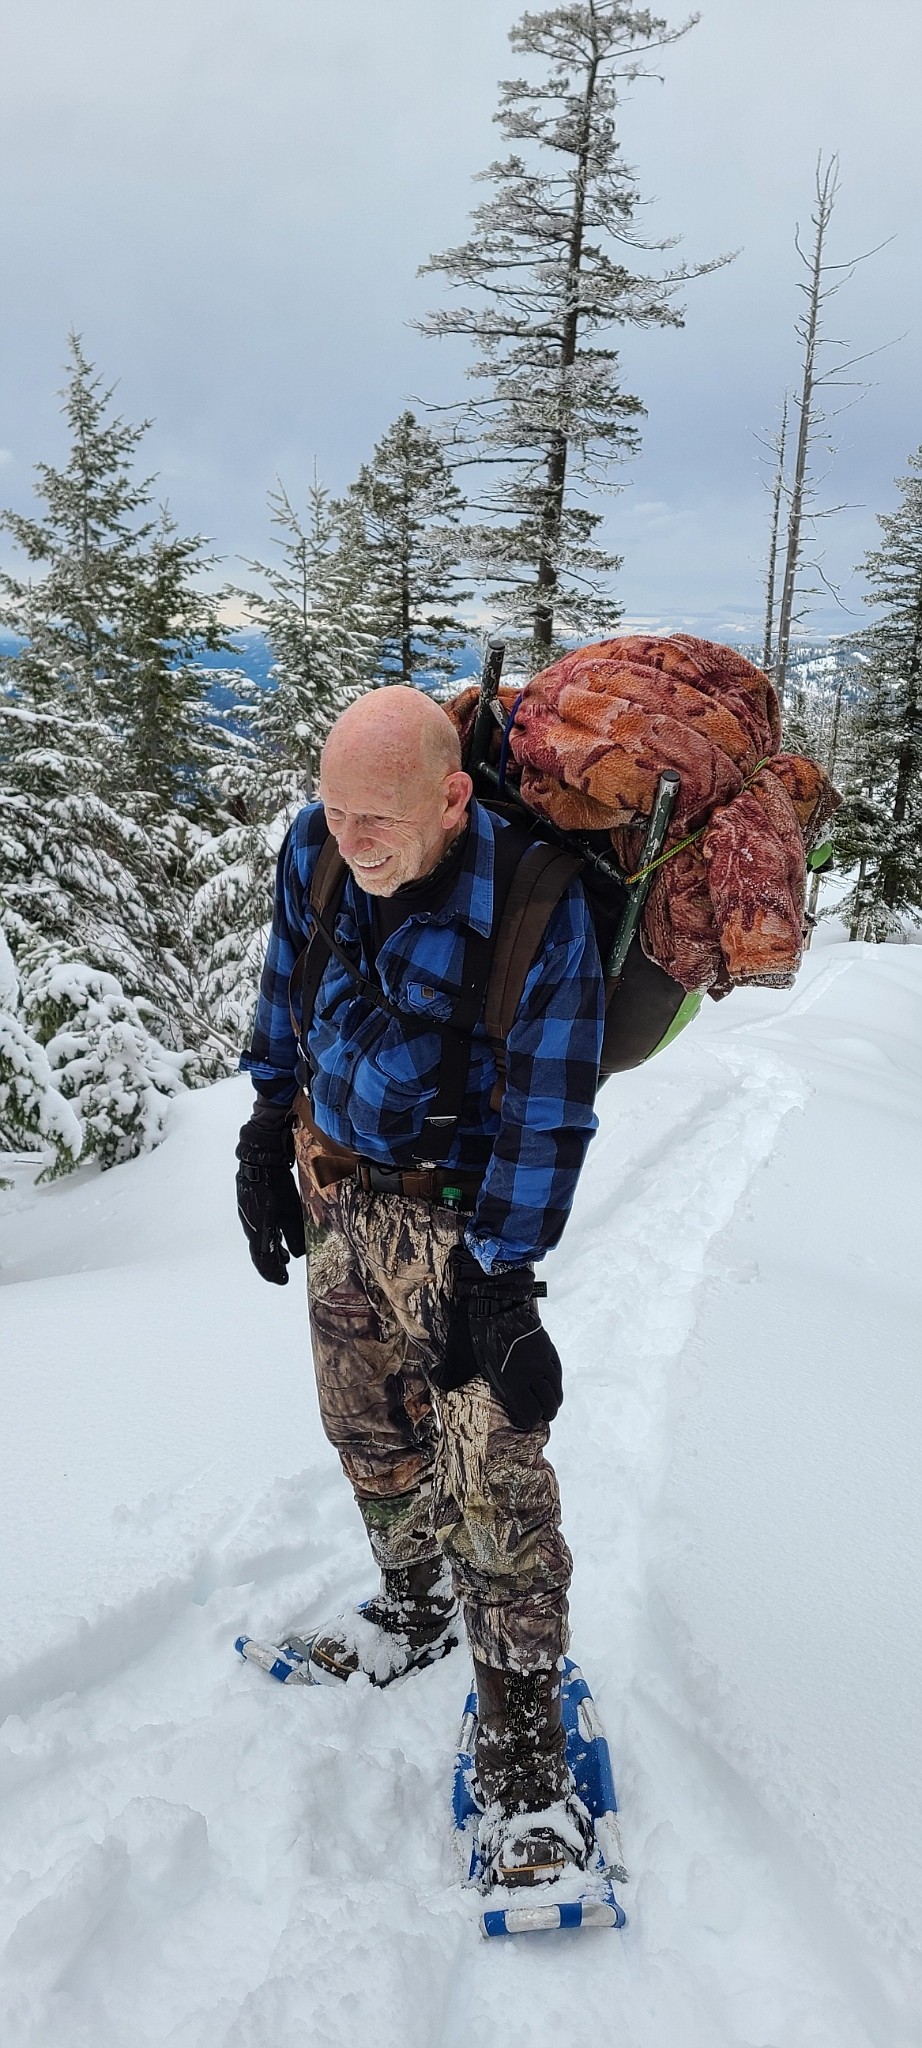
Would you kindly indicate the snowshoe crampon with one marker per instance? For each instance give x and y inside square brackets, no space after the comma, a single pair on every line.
[579,1897]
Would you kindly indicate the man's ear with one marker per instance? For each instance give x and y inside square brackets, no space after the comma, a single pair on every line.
[458,792]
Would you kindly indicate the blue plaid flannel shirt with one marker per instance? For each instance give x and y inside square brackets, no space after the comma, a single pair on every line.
[372,1084]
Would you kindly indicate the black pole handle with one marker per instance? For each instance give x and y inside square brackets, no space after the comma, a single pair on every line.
[489,689]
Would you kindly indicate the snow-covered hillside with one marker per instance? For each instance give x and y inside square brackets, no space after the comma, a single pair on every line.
[193,1856]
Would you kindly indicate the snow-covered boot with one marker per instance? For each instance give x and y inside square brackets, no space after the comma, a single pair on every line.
[534,1825]
[411,1622]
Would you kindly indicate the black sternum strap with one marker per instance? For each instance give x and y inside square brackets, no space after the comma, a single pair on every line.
[371,990]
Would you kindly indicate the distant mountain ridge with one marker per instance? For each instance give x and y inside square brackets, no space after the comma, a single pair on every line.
[812,664]
[251,654]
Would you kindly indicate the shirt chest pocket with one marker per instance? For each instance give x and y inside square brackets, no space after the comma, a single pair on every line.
[410,1054]
[426,1000]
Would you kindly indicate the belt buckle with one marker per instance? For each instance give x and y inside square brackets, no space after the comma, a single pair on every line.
[384,1180]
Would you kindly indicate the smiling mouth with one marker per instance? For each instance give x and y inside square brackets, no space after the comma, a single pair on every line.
[369,867]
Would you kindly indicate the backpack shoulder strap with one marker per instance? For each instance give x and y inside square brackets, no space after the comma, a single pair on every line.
[542,875]
[329,877]
[327,885]
[537,886]
[509,848]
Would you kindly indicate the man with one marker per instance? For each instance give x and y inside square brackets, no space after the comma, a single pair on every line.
[435,1378]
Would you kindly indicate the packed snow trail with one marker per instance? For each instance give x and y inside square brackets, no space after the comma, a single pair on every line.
[195,1857]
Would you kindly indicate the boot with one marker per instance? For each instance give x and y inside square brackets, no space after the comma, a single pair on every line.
[411,1622]
[534,1825]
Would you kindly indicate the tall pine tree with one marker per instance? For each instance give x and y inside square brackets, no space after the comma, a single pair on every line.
[85,546]
[319,624]
[112,614]
[551,264]
[405,510]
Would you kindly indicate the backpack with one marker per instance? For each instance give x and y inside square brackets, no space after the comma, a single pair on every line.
[645,1007]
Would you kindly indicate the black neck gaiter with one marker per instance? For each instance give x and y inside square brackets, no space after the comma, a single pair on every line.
[414,899]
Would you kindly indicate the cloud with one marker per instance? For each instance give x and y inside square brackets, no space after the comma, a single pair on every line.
[230,203]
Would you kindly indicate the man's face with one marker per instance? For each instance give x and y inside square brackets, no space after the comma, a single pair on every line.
[389,828]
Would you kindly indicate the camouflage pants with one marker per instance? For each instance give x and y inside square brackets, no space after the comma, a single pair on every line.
[429,1470]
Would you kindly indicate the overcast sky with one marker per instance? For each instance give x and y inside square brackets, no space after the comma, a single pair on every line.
[229,200]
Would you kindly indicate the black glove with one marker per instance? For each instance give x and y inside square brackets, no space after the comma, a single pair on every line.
[494,1329]
[268,1202]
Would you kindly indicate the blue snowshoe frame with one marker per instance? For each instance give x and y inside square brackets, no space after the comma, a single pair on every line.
[582,1899]
[279,1659]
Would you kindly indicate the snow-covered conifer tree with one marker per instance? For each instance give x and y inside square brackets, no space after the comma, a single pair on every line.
[86,546]
[104,731]
[879,829]
[114,621]
[407,509]
[34,1116]
[319,626]
[319,623]
[76,868]
[70,853]
[551,262]
[233,873]
[103,1059]
[171,740]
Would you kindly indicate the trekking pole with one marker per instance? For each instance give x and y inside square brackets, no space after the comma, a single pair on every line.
[664,803]
[489,691]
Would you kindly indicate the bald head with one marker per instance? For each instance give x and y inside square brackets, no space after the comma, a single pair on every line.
[401,730]
[392,786]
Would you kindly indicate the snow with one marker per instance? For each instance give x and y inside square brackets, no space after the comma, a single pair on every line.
[31,1107]
[9,979]
[191,1855]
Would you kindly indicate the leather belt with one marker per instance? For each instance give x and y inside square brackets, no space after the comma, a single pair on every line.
[330,1162]
[455,1190]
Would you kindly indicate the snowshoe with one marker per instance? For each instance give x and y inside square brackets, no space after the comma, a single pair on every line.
[555,1866]
[411,1622]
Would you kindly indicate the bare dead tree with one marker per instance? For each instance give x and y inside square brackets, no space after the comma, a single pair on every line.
[823,281]
[777,491]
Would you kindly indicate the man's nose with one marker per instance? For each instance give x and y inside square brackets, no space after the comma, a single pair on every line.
[352,838]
